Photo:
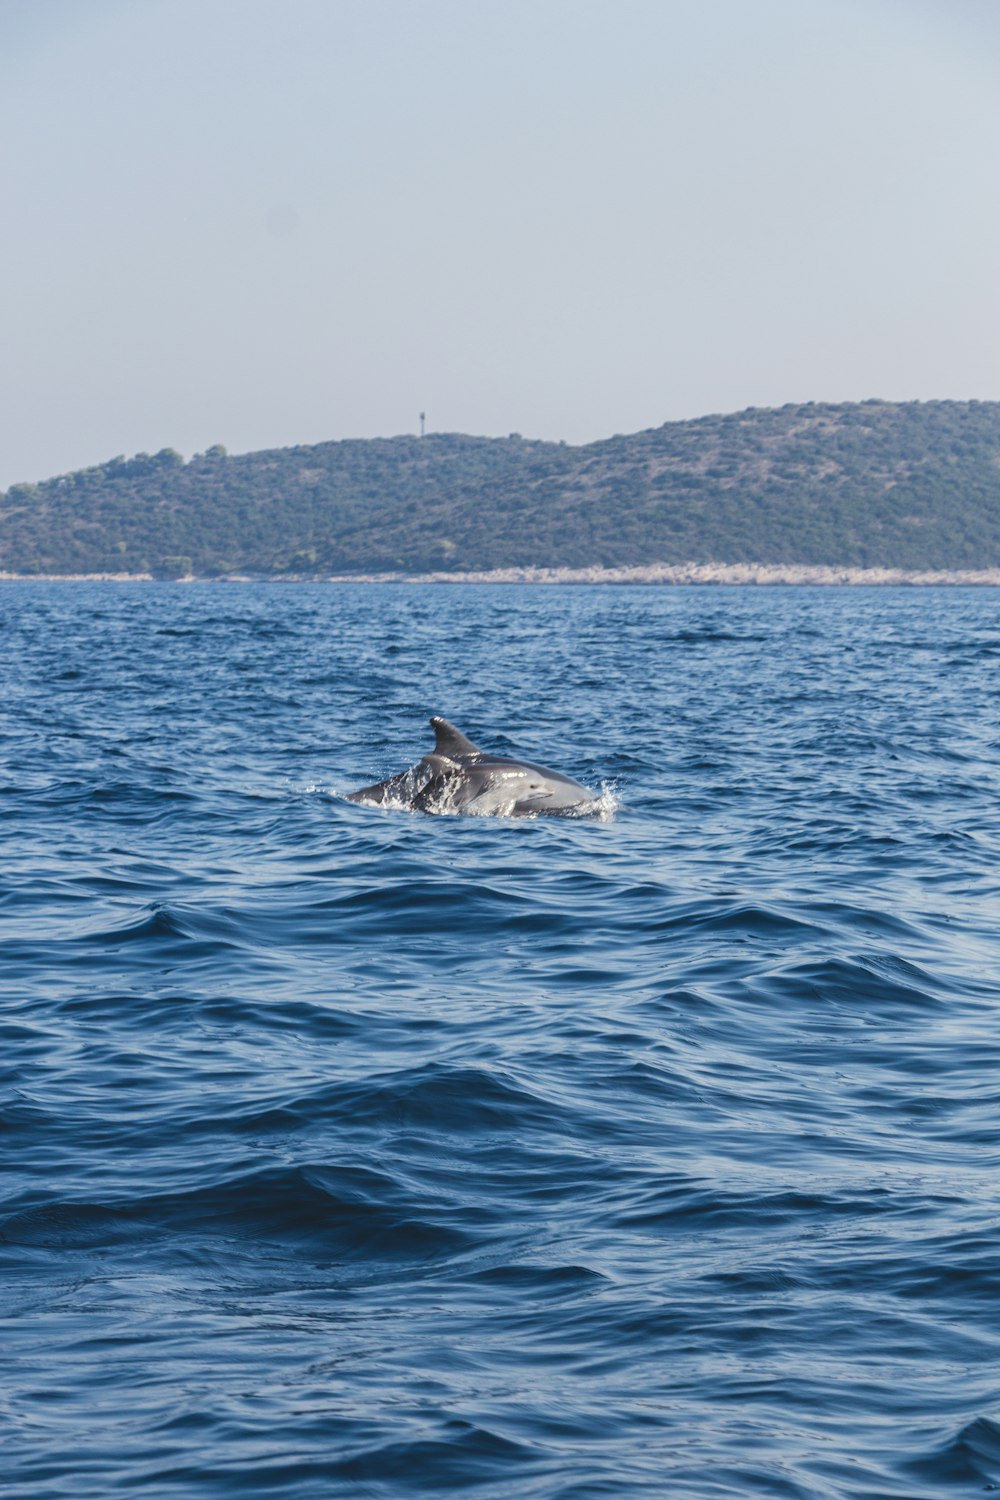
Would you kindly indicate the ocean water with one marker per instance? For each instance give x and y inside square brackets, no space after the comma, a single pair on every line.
[366,1153]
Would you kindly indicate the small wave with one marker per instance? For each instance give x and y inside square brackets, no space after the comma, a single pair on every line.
[161,935]
[970,1456]
[462,1454]
[866,983]
[342,1211]
[67,1225]
[438,1098]
[169,925]
[709,637]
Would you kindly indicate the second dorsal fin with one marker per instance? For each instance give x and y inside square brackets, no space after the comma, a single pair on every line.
[451,741]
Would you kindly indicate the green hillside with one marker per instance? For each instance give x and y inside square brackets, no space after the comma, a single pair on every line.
[913,485]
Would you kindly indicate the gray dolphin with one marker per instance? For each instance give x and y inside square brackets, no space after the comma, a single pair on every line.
[458,777]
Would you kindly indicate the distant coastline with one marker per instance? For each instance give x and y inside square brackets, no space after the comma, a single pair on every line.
[714,574]
[865,492]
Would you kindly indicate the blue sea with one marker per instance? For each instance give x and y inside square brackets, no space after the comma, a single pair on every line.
[353,1152]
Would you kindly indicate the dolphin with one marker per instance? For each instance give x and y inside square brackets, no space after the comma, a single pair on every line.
[458,777]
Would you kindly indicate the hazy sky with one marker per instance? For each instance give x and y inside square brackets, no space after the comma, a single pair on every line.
[263,222]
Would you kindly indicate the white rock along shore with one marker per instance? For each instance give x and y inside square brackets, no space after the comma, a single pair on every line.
[666,573]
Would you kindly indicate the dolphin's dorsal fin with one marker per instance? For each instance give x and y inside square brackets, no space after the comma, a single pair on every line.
[451,741]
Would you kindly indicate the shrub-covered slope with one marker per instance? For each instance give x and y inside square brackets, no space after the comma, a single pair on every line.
[914,485]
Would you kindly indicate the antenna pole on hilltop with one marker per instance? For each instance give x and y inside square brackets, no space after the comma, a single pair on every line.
[423,417]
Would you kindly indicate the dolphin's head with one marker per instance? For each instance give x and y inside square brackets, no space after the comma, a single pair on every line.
[518,789]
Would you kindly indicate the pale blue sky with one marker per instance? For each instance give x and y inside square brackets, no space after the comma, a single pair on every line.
[264,222]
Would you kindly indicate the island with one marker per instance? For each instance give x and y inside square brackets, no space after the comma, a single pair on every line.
[873,491]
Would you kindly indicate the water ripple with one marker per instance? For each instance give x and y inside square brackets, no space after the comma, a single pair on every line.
[362,1153]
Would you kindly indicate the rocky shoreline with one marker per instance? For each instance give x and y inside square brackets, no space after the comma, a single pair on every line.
[721,574]
[699,573]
